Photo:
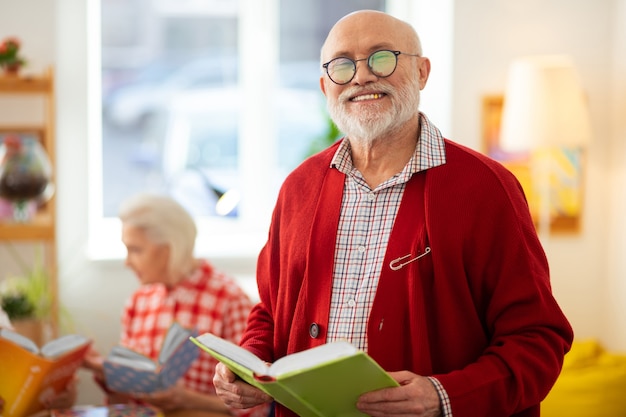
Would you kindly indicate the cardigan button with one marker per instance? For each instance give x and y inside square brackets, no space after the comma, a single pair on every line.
[314,330]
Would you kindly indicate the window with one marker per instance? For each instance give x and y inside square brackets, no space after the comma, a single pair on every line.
[211,104]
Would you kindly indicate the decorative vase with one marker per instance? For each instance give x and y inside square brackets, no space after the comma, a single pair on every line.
[25,173]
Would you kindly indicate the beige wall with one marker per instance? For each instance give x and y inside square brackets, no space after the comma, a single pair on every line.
[489,34]
[615,314]
[589,270]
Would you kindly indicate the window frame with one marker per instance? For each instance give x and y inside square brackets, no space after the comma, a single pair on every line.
[228,238]
[244,236]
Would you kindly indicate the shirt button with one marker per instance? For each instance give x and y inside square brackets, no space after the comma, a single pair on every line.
[361,249]
[371,196]
[351,303]
[314,330]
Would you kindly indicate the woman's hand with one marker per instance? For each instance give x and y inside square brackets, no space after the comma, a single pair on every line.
[94,361]
[64,399]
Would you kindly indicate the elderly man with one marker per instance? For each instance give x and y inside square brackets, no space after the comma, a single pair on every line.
[413,248]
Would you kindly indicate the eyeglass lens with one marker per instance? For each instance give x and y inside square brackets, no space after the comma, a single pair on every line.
[381,63]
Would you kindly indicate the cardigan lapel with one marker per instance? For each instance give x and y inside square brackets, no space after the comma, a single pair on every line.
[315,292]
[399,303]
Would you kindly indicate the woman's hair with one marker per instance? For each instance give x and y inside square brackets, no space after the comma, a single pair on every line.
[165,222]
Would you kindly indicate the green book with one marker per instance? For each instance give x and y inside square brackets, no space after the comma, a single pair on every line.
[322,381]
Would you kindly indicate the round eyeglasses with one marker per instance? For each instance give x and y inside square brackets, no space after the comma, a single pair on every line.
[382,64]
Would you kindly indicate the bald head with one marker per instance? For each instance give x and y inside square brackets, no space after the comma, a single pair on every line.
[369,27]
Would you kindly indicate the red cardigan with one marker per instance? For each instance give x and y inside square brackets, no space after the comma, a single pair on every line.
[481,318]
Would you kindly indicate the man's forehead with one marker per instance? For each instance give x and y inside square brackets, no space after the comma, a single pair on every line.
[361,33]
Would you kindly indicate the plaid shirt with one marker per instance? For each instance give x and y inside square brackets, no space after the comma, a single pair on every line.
[365,224]
[207,301]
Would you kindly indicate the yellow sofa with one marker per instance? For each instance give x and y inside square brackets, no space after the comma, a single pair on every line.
[592,383]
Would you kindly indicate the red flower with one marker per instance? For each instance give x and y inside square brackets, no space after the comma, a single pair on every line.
[9,49]
[12,141]
[11,43]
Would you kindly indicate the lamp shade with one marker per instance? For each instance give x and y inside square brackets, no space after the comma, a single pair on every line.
[544,105]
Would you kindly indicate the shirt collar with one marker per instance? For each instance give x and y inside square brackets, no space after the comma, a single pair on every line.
[429,152]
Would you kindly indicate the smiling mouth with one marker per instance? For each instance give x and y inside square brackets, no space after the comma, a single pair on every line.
[372,96]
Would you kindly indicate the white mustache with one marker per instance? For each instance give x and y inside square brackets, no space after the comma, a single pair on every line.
[357,91]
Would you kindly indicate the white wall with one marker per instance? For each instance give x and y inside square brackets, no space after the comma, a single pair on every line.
[589,270]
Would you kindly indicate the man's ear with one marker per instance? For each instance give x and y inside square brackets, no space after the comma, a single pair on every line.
[322,85]
[424,71]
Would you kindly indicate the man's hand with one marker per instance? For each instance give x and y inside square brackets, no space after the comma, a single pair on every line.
[416,396]
[234,392]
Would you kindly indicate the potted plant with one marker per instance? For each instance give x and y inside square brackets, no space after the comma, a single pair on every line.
[27,299]
[10,59]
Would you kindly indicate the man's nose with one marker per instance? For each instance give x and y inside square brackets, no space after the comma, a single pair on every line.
[363,74]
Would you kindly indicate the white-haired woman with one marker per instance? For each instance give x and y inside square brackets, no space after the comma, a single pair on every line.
[159,235]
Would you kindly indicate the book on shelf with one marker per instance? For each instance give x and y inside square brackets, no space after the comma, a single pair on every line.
[29,374]
[126,370]
[326,380]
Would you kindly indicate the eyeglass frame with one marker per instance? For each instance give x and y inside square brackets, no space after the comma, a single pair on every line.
[354,61]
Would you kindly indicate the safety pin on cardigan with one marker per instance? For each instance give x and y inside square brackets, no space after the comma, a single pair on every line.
[395,264]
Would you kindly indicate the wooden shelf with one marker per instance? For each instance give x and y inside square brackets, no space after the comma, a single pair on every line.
[26,84]
[42,228]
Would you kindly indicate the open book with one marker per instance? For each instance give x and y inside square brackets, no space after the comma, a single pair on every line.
[322,381]
[29,374]
[128,371]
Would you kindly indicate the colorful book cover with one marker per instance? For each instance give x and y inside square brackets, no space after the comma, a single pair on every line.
[128,371]
[27,378]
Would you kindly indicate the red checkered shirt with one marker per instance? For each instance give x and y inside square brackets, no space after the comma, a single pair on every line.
[208,301]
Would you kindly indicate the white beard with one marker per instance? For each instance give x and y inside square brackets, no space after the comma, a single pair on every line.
[376,123]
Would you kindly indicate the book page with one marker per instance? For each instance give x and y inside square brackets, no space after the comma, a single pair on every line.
[234,352]
[127,357]
[311,357]
[57,347]
[174,337]
[20,340]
